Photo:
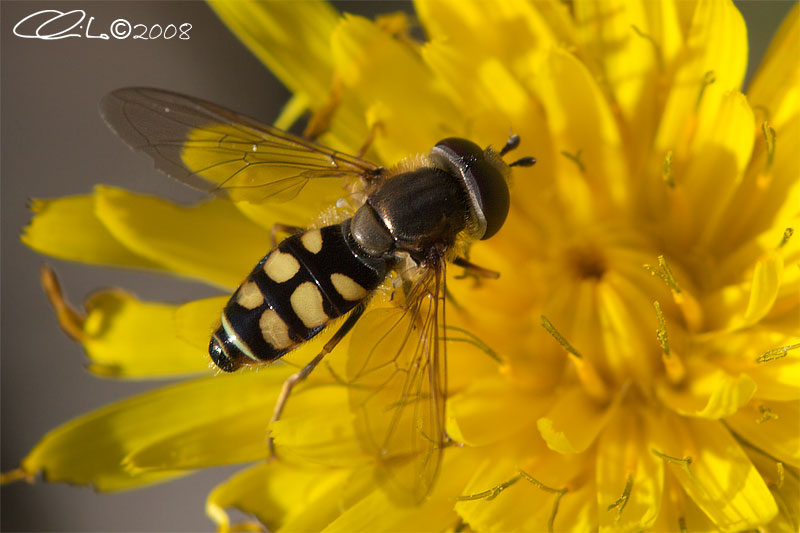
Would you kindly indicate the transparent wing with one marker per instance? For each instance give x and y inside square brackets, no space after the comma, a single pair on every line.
[217,150]
[398,376]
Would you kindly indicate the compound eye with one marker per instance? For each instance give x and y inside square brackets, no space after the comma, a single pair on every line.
[461,149]
[492,194]
[485,184]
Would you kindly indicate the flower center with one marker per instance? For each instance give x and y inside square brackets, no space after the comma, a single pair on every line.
[586,261]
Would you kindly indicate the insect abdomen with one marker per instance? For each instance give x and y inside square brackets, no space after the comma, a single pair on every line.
[291,295]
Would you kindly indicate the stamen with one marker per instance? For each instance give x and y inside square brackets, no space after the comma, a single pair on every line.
[766,414]
[591,381]
[769,137]
[776,353]
[682,525]
[490,494]
[546,324]
[691,310]
[558,492]
[781,474]
[672,363]
[575,159]
[475,341]
[787,234]
[656,48]
[684,463]
[780,496]
[665,274]
[622,501]
[708,79]
[661,332]
[666,172]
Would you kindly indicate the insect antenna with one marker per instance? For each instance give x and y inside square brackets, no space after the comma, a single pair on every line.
[523,162]
[511,143]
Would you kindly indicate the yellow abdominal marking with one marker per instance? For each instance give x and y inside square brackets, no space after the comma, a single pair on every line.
[312,240]
[249,296]
[306,302]
[347,288]
[281,267]
[274,330]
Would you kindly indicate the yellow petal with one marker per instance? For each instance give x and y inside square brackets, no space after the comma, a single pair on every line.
[719,477]
[710,392]
[491,501]
[577,510]
[91,448]
[784,483]
[679,511]
[476,422]
[377,512]
[777,379]
[776,86]
[376,69]
[234,434]
[765,203]
[617,37]
[291,38]
[773,427]
[574,421]
[316,428]
[619,305]
[196,321]
[583,127]
[309,207]
[764,290]
[623,460]
[716,48]
[127,338]
[721,149]
[238,433]
[287,498]
[211,241]
[68,228]
[465,23]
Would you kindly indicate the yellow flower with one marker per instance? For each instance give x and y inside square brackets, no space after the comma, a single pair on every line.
[644,333]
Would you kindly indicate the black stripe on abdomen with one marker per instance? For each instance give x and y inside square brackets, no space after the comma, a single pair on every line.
[294,291]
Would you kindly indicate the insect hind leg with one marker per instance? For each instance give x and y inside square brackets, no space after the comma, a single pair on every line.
[300,376]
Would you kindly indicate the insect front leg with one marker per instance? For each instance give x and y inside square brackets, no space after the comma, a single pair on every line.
[283,228]
[298,377]
[475,270]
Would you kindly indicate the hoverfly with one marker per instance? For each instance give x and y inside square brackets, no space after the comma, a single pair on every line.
[409,222]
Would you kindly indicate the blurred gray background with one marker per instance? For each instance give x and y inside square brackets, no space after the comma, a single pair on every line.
[55,144]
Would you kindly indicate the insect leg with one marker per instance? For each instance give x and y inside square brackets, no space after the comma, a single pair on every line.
[285,228]
[370,138]
[298,377]
[320,120]
[474,269]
